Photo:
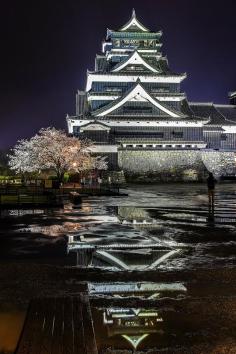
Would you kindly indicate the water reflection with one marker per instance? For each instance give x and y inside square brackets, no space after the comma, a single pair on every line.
[134,325]
[130,248]
[154,231]
[127,327]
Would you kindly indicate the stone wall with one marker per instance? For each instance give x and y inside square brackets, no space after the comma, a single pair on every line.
[169,165]
[219,163]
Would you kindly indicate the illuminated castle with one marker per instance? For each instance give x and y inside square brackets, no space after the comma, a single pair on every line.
[134,111]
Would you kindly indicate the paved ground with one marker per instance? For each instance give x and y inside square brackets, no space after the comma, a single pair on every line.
[176,217]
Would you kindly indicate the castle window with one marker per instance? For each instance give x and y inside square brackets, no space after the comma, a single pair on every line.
[177,134]
[137,109]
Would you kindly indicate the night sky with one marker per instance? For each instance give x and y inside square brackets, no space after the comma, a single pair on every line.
[47,46]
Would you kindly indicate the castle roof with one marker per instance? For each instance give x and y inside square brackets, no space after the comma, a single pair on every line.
[215,115]
[134,59]
[139,94]
[228,111]
[134,25]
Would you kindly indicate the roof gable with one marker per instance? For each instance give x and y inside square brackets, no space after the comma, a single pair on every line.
[134,59]
[133,24]
[137,94]
[94,126]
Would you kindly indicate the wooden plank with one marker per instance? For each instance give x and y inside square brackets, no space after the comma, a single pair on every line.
[58,330]
[47,329]
[58,326]
[38,327]
[79,344]
[68,342]
[25,344]
[89,335]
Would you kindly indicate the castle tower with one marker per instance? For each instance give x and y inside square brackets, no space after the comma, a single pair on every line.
[134,110]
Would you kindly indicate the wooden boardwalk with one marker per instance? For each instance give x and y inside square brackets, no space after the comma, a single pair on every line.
[58,326]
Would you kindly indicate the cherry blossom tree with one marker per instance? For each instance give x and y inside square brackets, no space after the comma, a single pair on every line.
[50,149]
[99,163]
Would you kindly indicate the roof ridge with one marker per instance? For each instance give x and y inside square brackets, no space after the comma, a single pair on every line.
[200,103]
[134,21]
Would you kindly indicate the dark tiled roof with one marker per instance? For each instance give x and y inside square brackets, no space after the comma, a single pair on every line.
[209,110]
[186,109]
[216,118]
[201,110]
[103,66]
[229,111]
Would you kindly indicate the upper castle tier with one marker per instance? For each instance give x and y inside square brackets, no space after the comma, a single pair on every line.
[132,77]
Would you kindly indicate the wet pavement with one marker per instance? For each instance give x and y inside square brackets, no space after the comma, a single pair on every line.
[160,266]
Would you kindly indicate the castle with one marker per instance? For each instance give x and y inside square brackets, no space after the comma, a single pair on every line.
[134,111]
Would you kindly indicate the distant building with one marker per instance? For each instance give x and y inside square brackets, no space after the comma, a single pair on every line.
[134,111]
[232,98]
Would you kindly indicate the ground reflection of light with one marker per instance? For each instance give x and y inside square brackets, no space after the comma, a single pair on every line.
[86,208]
[54,230]
[132,324]
[10,327]
[22,212]
[135,340]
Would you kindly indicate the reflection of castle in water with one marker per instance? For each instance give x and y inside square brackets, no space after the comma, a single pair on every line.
[142,252]
[134,325]
[127,319]
[135,216]
[128,327]
[121,256]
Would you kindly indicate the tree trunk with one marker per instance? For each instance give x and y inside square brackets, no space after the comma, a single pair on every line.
[60,176]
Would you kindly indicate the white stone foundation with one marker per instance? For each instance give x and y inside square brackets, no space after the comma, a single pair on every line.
[182,165]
